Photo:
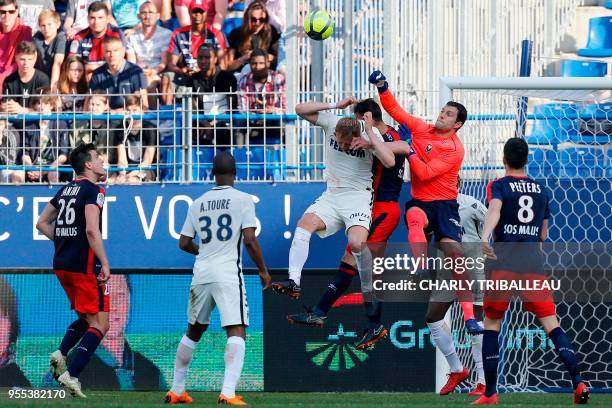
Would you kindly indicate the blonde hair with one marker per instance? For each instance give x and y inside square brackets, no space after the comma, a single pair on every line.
[348,128]
[49,14]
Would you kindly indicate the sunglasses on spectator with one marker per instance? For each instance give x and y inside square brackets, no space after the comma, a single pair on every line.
[258,20]
[3,12]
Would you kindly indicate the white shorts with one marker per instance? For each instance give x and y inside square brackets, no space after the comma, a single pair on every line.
[230,299]
[343,209]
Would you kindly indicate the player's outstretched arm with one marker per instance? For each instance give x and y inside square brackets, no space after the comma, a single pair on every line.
[433,168]
[491,220]
[310,110]
[186,244]
[46,221]
[252,246]
[94,237]
[383,153]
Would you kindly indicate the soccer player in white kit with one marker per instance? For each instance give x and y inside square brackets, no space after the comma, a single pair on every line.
[222,218]
[347,202]
[472,215]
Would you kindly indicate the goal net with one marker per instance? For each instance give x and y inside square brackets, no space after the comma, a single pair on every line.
[567,123]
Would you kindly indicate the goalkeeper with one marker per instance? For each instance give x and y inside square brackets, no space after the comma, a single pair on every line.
[435,155]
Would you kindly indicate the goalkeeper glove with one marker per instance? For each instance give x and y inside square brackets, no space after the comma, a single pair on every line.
[378,78]
[406,135]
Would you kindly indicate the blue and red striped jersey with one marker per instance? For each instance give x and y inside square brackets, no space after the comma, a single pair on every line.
[72,250]
[90,48]
[388,181]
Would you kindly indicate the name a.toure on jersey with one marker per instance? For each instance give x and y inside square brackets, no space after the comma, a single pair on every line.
[525,187]
[355,153]
[213,205]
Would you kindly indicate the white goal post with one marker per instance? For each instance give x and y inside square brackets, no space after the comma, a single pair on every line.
[568,124]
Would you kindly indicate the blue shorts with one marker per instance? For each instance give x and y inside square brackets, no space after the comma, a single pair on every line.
[442,218]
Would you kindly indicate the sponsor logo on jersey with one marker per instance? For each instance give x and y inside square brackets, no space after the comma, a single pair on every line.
[351,152]
[428,148]
[100,200]
[362,216]
[454,221]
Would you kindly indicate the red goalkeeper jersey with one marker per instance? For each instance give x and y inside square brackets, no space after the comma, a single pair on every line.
[435,166]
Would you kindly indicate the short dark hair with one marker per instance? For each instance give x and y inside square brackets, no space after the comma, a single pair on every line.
[8,3]
[8,309]
[209,47]
[516,151]
[258,52]
[369,105]
[81,155]
[133,100]
[224,163]
[97,6]
[26,47]
[462,113]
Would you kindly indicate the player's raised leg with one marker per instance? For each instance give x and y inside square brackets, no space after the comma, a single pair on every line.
[298,254]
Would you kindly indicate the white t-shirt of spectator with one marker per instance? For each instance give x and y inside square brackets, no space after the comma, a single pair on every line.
[217,218]
[352,169]
[80,13]
[30,9]
[149,52]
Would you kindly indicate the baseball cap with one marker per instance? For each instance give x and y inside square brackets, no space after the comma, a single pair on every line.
[198,4]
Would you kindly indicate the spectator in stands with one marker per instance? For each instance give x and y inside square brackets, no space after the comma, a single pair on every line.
[89,43]
[96,131]
[118,76]
[217,10]
[72,84]
[256,32]
[77,16]
[50,45]
[215,83]
[262,91]
[125,13]
[184,45]
[277,12]
[136,143]
[12,32]
[45,142]
[10,373]
[29,10]
[25,82]
[147,47]
[9,143]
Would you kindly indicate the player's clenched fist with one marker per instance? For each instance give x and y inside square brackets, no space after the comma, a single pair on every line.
[378,78]
[346,102]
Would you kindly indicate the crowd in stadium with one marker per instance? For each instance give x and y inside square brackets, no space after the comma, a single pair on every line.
[130,57]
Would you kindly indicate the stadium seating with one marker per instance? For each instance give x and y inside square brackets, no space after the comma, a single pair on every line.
[554,123]
[608,4]
[202,159]
[233,19]
[599,44]
[249,163]
[595,124]
[581,68]
[582,161]
[542,162]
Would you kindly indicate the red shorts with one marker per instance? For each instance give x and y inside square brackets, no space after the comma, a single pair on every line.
[385,218]
[85,292]
[539,302]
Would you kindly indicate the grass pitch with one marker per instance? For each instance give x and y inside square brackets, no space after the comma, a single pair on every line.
[334,400]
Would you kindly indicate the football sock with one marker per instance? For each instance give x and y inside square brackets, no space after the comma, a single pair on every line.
[86,348]
[442,337]
[75,331]
[490,360]
[477,356]
[184,353]
[234,359]
[336,288]
[416,220]
[363,259]
[298,254]
[563,345]
[373,313]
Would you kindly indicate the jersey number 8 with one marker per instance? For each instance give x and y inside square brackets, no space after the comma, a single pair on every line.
[224,232]
[525,212]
